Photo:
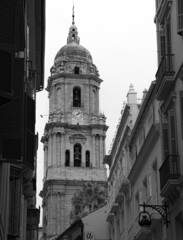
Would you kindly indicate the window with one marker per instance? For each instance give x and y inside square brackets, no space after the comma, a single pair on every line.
[76,70]
[173,138]
[77,155]
[180,17]
[5,71]
[87,158]
[162,45]
[169,134]
[168,36]
[165,139]
[67,158]
[145,197]
[165,39]
[181,112]
[179,227]
[76,97]
[14,203]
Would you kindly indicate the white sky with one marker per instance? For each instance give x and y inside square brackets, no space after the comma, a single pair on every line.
[121,37]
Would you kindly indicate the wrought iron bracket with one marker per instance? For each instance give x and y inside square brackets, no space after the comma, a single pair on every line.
[161,209]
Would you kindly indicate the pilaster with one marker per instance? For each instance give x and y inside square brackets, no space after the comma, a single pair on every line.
[45,158]
[93,151]
[62,149]
[101,151]
[54,145]
[58,149]
[83,159]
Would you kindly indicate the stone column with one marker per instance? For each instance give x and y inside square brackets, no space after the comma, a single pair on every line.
[54,98]
[71,154]
[101,151]
[58,149]
[54,213]
[49,214]
[88,98]
[91,100]
[58,214]
[62,97]
[66,98]
[49,150]
[83,156]
[62,211]
[93,151]
[97,101]
[51,139]
[62,150]
[104,146]
[54,145]
[45,158]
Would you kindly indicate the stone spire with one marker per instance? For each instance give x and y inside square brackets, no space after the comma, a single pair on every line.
[73,32]
[73,15]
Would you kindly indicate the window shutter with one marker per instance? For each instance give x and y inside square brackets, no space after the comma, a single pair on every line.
[7,21]
[162,45]
[165,139]
[180,17]
[173,138]
[29,143]
[14,203]
[12,39]
[11,121]
[168,37]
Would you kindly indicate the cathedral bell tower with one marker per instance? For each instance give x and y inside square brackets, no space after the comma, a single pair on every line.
[74,137]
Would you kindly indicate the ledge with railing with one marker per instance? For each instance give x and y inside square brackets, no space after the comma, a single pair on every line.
[166,67]
[169,170]
[164,76]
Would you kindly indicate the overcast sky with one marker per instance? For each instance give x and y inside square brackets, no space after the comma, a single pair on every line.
[121,37]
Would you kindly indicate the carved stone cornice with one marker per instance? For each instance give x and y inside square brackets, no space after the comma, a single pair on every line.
[53,125]
[77,137]
[62,76]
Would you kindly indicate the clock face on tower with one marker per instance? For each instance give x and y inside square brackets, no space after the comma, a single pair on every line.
[77,116]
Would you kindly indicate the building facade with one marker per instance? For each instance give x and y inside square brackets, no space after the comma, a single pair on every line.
[169,77]
[145,157]
[22,27]
[154,151]
[74,137]
[119,186]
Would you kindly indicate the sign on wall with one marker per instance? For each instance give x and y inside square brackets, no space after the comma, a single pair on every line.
[89,235]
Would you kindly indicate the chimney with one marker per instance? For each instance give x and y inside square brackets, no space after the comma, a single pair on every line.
[131,95]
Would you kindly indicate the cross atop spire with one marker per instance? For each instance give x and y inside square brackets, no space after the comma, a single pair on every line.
[73,14]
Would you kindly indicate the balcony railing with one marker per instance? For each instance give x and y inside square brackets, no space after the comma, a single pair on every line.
[165,68]
[170,170]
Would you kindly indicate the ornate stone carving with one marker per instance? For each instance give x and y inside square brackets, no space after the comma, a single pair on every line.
[90,198]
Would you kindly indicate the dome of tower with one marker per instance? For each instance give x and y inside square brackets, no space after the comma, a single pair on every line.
[73,51]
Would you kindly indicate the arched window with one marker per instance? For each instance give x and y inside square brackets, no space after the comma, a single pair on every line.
[76,97]
[67,158]
[77,155]
[76,70]
[73,36]
[77,209]
[87,158]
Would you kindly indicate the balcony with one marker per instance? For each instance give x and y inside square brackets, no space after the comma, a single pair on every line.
[163,10]
[169,174]
[110,217]
[165,77]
